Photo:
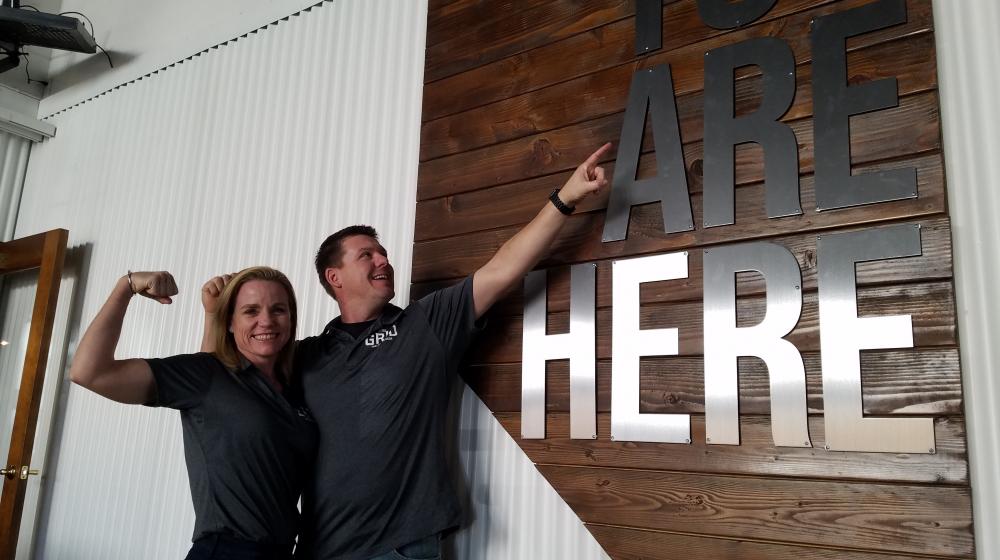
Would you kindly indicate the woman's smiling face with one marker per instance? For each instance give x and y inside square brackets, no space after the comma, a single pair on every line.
[261,322]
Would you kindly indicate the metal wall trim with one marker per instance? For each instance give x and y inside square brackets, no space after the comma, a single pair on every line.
[969,77]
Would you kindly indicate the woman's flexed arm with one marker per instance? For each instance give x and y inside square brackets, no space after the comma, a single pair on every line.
[94,365]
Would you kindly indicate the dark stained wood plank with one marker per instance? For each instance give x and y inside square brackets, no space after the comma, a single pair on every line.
[580,238]
[885,517]
[910,60]
[925,381]
[517,203]
[448,20]
[931,306]
[612,45]
[908,129]
[934,263]
[756,454]
[636,544]
[517,160]
[526,25]
[437,5]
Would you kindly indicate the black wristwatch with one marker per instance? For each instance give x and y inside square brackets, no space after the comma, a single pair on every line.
[559,204]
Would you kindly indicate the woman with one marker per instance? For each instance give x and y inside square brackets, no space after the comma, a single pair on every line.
[248,445]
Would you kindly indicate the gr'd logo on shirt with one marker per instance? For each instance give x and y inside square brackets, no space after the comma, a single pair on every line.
[382,335]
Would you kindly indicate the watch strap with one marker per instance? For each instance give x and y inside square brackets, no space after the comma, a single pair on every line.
[559,204]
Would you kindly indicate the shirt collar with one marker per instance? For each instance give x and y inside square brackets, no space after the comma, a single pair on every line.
[244,364]
[390,313]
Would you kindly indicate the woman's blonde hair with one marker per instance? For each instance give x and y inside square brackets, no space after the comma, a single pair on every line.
[225,344]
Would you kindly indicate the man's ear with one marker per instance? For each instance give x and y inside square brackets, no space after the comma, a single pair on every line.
[332,276]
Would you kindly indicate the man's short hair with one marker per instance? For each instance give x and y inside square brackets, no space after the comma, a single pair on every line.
[331,251]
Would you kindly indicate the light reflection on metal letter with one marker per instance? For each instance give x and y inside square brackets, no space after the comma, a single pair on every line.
[843,335]
[724,342]
[579,345]
[629,343]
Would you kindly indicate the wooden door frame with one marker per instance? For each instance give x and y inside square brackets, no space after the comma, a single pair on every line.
[46,252]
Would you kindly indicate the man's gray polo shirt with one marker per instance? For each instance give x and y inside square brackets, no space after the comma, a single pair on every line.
[382,478]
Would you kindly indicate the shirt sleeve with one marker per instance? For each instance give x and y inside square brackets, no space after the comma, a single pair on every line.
[183,380]
[451,313]
[306,352]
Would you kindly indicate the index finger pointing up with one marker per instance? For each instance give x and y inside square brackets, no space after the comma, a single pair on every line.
[596,156]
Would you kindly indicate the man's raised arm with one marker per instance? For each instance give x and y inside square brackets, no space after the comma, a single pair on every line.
[520,253]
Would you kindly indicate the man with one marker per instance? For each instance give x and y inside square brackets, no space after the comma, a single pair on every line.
[377,381]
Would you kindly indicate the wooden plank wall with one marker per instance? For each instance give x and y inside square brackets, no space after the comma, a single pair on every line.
[516,94]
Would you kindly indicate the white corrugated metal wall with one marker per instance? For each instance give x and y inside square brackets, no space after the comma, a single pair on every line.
[248,153]
[969,76]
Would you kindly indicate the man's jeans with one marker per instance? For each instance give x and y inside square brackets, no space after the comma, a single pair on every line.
[428,548]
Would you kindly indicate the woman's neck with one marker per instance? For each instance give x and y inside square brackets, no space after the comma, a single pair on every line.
[268,368]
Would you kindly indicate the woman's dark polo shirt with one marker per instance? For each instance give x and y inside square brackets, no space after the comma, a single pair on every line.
[248,450]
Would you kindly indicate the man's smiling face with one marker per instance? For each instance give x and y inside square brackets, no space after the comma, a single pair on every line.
[364,273]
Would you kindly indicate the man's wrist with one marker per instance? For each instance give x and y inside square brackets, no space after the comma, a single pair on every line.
[560,204]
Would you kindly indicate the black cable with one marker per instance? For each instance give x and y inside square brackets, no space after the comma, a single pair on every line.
[25,55]
[32,7]
[93,33]
[105,54]
[84,17]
